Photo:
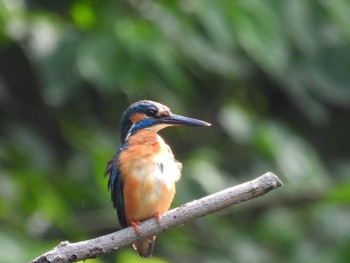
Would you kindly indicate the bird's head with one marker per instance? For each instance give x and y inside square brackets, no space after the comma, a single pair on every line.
[147,114]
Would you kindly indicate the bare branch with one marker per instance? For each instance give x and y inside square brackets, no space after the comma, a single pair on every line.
[67,252]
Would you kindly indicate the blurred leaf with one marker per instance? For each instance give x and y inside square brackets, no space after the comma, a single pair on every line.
[83,14]
[339,193]
[338,10]
[11,249]
[260,31]
[237,122]
[280,229]
[132,257]
[294,157]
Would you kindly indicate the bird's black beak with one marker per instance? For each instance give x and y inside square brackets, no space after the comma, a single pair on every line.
[182,120]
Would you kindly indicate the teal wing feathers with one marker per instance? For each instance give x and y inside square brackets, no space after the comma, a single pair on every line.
[115,185]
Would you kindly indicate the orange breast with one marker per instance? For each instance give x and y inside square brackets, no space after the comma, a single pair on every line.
[149,171]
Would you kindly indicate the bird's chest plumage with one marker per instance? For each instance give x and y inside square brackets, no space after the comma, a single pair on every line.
[149,172]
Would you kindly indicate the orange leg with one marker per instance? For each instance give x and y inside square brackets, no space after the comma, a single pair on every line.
[158,218]
[135,224]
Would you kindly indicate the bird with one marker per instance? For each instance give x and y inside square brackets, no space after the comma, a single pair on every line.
[143,172]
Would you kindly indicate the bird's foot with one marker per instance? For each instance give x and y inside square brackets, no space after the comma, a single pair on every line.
[158,218]
[135,224]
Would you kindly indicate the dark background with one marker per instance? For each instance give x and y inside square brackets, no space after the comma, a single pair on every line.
[271,76]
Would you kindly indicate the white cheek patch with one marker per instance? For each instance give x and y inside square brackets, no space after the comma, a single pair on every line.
[129,133]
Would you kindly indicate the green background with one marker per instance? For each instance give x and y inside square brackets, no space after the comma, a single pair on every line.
[272,76]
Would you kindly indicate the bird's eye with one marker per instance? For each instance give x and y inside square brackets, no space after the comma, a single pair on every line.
[151,112]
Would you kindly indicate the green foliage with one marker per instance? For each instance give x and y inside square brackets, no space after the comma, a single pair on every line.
[271,76]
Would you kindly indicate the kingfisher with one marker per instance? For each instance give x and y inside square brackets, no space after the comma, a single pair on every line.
[143,172]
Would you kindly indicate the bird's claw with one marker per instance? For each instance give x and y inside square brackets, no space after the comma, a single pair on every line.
[135,224]
[158,218]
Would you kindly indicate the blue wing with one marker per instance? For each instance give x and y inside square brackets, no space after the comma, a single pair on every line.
[115,186]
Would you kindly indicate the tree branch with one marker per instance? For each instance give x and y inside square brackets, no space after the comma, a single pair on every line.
[67,252]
